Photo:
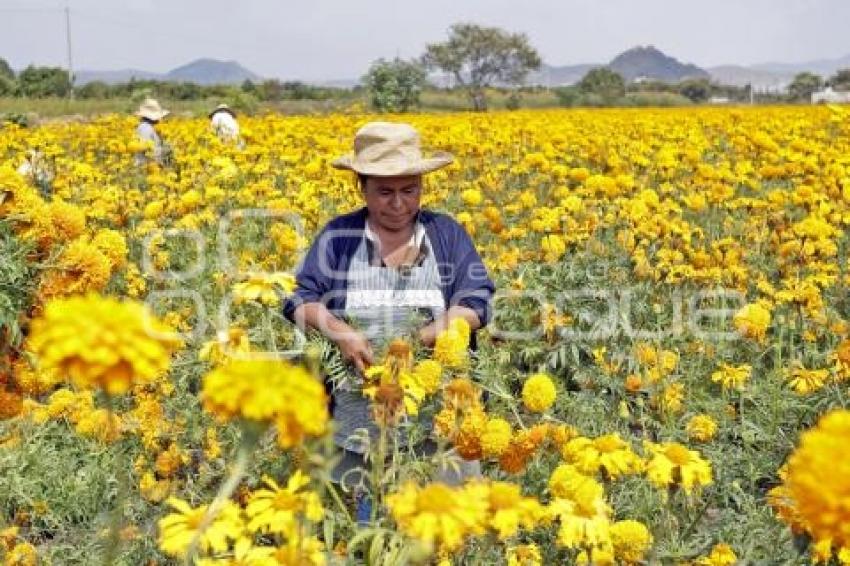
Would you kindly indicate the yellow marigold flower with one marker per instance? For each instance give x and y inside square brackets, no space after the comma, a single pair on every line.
[300,551]
[701,428]
[554,247]
[437,515]
[471,197]
[81,268]
[429,375]
[22,554]
[721,555]
[672,464]
[672,398]
[461,393]
[11,403]
[279,510]
[646,354]
[263,287]
[178,530]
[244,554]
[752,321]
[524,555]
[602,555]
[268,391]
[633,383]
[508,509]
[538,393]
[819,478]
[101,342]
[667,361]
[170,460]
[113,245]
[631,541]
[468,439]
[609,453]
[732,377]
[584,520]
[58,222]
[561,434]
[227,343]
[805,381]
[212,448]
[100,424]
[566,481]
[451,347]
[31,381]
[496,437]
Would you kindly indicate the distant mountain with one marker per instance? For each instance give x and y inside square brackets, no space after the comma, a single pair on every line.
[201,71]
[635,63]
[823,67]
[549,75]
[211,72]
[736,75]
[650,63]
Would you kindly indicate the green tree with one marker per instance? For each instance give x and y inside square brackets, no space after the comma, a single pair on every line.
[603,83]
[38,82]
[478,57]
[6,70]
[803,85]
[395,86]
[840,80]
[697,90]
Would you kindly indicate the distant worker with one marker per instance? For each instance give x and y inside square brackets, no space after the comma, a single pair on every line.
[150,113]
[223,123]
[39,170]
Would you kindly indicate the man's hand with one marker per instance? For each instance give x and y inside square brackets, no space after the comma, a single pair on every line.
[355,349]
[428,333]
[352,344]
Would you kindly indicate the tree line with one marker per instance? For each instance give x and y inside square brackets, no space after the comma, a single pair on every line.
[473,58]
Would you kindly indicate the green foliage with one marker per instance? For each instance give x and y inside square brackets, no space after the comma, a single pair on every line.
[803,85]
[40,82]
[395,86]
[603,83]
[478,57]
[8,87]
[840,80]
[16,285]
[6,70]
[697,90]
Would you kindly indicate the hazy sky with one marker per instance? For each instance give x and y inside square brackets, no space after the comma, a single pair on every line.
[335,39]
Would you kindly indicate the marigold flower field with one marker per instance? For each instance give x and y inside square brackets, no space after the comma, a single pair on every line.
[664,380]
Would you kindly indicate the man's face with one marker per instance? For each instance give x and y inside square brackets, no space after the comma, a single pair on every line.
[393,201]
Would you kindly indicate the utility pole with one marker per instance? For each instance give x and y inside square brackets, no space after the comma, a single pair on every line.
[70,60]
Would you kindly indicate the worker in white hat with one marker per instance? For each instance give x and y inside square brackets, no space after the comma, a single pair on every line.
[150,113]
[223,123]
[388,270]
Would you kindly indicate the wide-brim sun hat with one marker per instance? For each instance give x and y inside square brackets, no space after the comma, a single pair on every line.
[389,149]
[151,110]
[222,108]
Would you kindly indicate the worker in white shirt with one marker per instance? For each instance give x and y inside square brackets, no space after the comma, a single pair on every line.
[223,123]
[150,113]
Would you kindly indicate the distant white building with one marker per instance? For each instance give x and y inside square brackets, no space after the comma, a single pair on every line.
[719,100]
[829,95]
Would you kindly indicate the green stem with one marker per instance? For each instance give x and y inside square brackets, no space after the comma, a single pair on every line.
[117,516]
[378,466]
[250,436]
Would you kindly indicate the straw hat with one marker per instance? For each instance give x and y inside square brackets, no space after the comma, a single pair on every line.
[386,149]
[151,110]
[222,108]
